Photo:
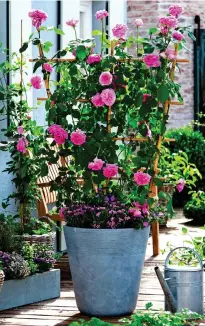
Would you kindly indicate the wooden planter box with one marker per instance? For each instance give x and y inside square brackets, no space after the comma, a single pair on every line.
[35,288]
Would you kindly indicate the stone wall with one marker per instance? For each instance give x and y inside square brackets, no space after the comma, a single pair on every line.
[150,12]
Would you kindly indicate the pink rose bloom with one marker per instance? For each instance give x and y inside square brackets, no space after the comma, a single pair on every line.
[97,100]
[169,21]
[180,185]
[110,170]
[96,165]
[152,60]
[120,30]
[101,14]
[21,145]
[61,212]
[60,136]
[20,130]
[38,17]
[142,179]
[146,96]
[105,78]
[47,67]
[137,213]
[139,22]
[145,208]
[36,82]
[72,22]
[145,224]
[164,30]
[177,36]
[168,54]
[78,137]
[93,58]
[175,10]
[108,96]
[53,129]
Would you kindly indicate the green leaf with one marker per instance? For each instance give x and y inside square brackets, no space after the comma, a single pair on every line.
[163,93]
[191,35]
[58,31]
[44,170]
[184,230]
[96,32]
[46,46]
[81,52]
[153,31]
[37,65]
[36,41]
[24,47]
[162,195]
[158,182]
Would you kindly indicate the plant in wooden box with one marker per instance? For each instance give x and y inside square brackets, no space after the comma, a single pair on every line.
[108,116]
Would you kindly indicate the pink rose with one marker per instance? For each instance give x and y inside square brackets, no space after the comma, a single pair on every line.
[169,21]
[78,137]
[105,78]
[61,212]
[93,58]
[37,16]
[152,60]
[145,208]
[21,145]
[97,100]
[168,54]
[110,170]
[60,136]
[180,185]
[72,22]
[137,213]
[139,22]
[36,82]
[101,14]
[47,67]
[146,96]
[175,10]
[177,36]
[53,128]
[20,130]
[164,30]
[145,224]
[120,30]
[108,96]
[96,165]
[142,179]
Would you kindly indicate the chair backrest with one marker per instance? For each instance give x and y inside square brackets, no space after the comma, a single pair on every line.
[44,183]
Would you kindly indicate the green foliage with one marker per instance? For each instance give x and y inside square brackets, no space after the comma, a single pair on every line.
[147,319]
[195,208]
[9,241]
[28,254]
[36,226]
[175,166]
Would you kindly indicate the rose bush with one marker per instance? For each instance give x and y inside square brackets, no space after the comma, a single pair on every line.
[101,106]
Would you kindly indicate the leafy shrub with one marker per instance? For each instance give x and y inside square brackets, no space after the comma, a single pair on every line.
[14,266]
[193,144]
[147,319]
[195,208]
[9,241]
[29,255]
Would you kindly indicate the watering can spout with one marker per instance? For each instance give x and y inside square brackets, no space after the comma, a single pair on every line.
[167,292]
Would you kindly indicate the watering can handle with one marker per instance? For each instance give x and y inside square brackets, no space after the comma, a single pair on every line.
[194,251]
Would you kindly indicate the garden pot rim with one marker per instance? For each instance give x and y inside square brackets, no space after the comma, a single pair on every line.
[99,229]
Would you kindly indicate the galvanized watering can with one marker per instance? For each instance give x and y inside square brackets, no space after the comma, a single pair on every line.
[185,284]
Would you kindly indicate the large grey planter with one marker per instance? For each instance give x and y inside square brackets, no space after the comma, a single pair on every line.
[106,268]
[32,289]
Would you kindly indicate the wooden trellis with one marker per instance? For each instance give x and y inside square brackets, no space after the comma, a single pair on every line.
[153,187]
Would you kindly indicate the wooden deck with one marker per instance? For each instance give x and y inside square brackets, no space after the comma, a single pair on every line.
[63,311]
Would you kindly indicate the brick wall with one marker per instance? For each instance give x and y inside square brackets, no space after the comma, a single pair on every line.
[150,11]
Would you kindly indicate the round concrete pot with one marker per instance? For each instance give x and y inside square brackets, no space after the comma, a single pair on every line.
[106,267]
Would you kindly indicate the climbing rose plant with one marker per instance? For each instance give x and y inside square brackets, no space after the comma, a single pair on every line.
[101,105]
